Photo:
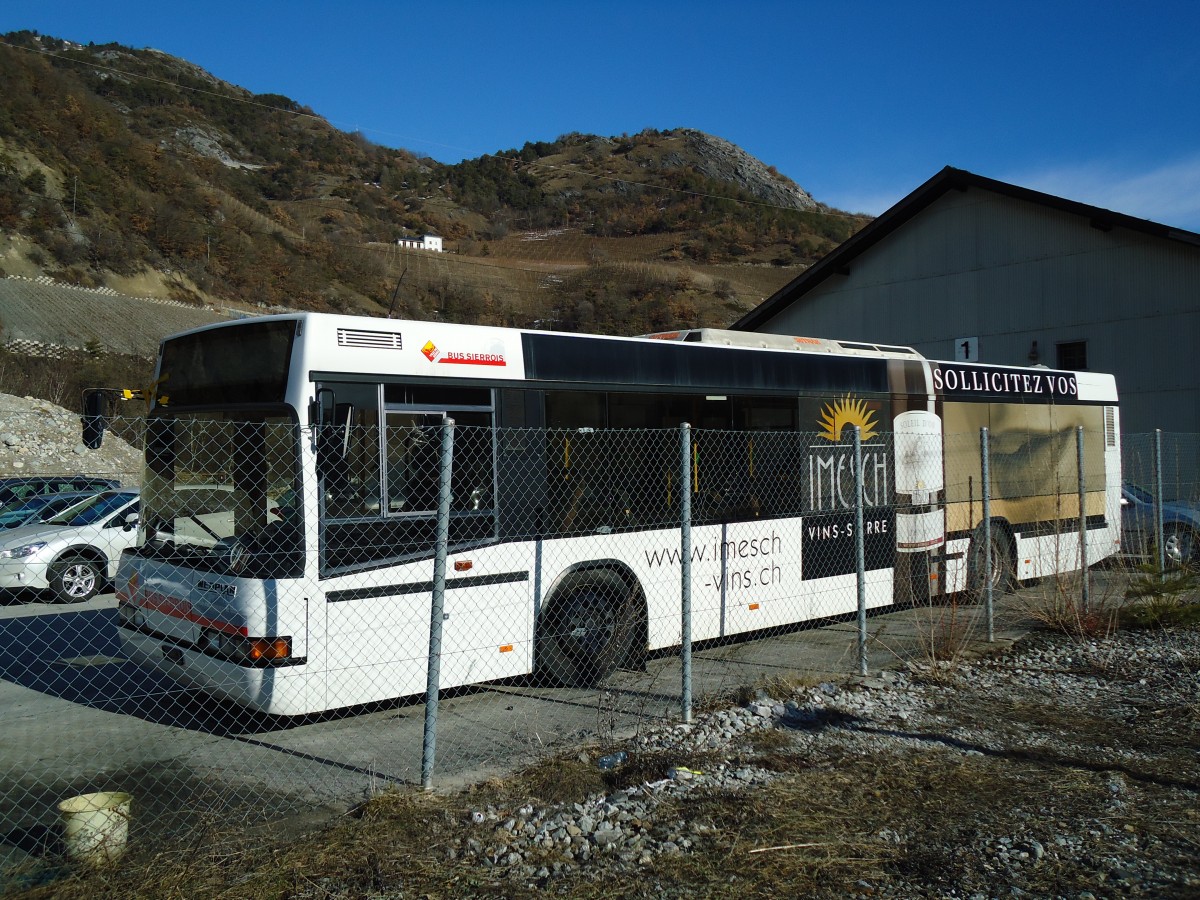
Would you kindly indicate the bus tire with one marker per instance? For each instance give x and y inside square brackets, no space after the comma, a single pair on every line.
[589,628]
[1003,572]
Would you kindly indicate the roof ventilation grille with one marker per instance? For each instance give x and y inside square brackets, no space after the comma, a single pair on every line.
[377,340]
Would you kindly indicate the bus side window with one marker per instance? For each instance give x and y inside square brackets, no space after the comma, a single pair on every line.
[347,448]
[413,443]
[473,478]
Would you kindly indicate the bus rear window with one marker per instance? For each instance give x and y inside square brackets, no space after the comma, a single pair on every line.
[247,363]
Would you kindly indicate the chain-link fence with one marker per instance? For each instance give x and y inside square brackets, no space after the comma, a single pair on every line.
[1161,503]
[302,617]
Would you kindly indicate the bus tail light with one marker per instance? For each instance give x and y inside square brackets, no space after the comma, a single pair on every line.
[245,651]
[269,649]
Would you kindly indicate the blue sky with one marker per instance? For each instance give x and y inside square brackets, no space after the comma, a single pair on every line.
[858,102]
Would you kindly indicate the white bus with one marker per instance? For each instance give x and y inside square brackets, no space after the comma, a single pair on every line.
[290,493]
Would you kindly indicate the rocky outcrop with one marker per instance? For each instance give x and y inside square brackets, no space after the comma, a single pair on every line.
[720,160]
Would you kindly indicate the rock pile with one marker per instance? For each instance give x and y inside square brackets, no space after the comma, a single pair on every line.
[39,438]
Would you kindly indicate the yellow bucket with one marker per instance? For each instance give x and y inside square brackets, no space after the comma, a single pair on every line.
[96,826]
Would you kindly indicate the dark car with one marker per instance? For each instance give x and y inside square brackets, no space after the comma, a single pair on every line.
[16,490]
[1181,527]
[39,508]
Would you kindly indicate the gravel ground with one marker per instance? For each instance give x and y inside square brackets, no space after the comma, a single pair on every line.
[1057,768]
[1060,768]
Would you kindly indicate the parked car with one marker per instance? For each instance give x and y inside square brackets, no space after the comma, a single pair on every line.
[15,490]
[74,553]
[39,508]
[1181,527]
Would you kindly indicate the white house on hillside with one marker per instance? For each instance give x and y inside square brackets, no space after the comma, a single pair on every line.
[428,242]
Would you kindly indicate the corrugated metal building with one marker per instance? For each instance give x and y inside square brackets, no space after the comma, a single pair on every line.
[966,267]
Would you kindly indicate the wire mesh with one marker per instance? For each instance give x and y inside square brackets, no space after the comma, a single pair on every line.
[1161,499]
[263,648]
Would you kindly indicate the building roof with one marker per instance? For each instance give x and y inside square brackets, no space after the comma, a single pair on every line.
[838,261]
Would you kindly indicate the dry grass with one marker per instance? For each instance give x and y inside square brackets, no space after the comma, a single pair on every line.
[830,824]
[1144,599]
[1057,605]
[837,819]
[946,632]
[776,686]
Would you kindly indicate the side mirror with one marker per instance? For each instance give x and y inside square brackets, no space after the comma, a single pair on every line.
[131,521]
[324,407]
[95,421]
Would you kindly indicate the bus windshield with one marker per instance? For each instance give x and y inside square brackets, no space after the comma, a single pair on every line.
[222,492]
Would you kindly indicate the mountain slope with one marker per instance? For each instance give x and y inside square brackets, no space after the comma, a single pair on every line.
[122,163]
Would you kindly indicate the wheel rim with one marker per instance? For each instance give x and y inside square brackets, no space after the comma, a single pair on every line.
[1178,548]
[591,625]
[79,580]
[996,575]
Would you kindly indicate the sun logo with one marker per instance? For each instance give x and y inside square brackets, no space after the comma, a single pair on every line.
[837,415]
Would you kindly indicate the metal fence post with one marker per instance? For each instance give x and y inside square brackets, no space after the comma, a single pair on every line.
[685,575]
[986,487]
[1158,510]
[1083,558]
[437,607]
[860,552]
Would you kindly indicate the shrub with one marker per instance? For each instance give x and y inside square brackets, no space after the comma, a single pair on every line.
[35,181]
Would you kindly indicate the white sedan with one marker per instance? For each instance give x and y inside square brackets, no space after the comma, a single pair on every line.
[75,552]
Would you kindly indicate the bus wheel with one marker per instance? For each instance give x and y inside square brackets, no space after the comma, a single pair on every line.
[587,629]
[1002,573]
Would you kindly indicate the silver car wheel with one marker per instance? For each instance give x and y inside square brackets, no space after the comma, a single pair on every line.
[1177,547]
[75,580]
